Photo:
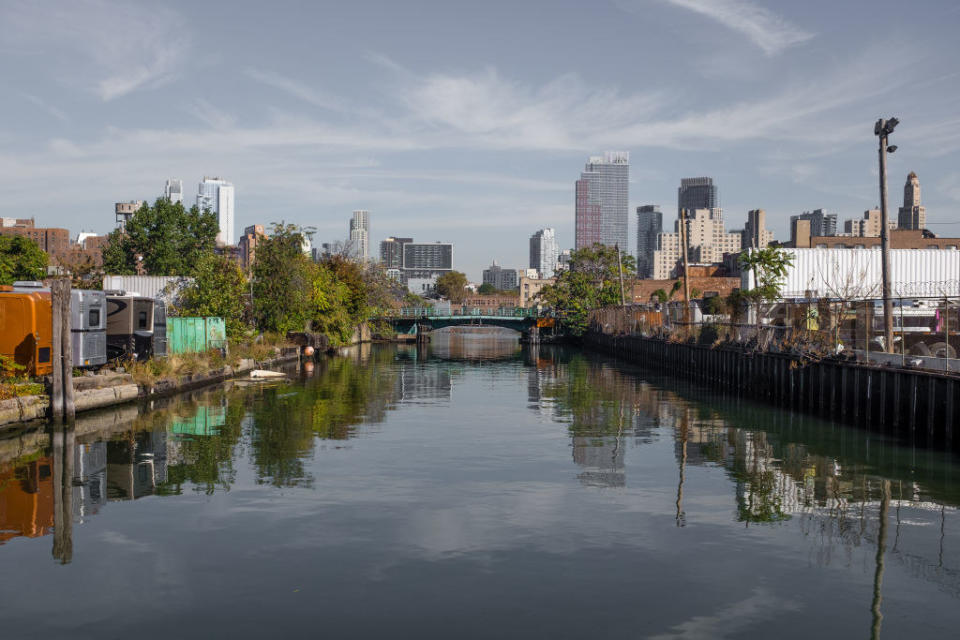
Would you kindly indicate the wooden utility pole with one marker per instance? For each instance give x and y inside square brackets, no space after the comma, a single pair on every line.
[61,394]
[56,387]
[66,346]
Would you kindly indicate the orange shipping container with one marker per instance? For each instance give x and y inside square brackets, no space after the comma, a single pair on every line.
[26,327]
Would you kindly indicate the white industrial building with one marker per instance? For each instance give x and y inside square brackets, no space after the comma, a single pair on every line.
[854,274]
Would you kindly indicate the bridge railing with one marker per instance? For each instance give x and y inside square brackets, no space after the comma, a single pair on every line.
[459,312]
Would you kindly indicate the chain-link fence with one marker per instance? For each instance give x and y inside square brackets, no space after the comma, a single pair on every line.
[926,330]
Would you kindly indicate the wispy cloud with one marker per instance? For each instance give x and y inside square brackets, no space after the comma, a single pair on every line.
[45,106]
[764,28]
[114,47]
[210,115]
[298,89]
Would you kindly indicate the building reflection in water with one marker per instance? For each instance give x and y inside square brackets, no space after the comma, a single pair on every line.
[772,458]
[842,489]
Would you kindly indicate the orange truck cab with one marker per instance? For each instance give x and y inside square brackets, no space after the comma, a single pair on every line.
[26,328]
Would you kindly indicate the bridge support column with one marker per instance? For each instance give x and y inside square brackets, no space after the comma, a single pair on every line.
[423,332]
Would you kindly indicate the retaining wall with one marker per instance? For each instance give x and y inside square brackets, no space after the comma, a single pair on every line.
[921,406]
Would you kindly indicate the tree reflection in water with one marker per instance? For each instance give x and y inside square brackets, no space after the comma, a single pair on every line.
[776,460]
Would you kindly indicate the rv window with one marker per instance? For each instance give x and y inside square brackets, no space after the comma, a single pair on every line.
[143,319]
[43,354]
[94,317]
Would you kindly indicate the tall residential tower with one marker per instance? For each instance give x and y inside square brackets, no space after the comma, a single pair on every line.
[697,193]
[360,235]
[544,252]
[649,226]
[601,201]
[173,190]
[216,195]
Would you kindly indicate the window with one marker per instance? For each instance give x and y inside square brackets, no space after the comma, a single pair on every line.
[94,318]
[143,320]
[43,354]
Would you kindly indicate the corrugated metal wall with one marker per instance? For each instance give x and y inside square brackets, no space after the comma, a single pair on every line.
[149,286]
[855,273]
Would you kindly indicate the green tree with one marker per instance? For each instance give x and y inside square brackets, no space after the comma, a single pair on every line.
[452,286]
[660,295]
[769,267]
[219,289]
[169,238]
[486,289]
[283,281]
[21,259]
[592,282]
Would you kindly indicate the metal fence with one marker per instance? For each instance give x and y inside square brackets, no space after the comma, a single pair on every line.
[452,312]
[926,331]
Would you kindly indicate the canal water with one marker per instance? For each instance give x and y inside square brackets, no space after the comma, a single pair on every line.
[473,489]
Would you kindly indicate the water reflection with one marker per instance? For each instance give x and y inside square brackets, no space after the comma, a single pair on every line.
[774,459]
[709,465]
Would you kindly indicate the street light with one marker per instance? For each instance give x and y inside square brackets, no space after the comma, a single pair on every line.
[882,129]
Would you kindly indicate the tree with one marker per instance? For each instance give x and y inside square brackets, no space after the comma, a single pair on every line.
[163,238]
[219,289]
[769,266]
[486,289]
[660,295]
[283,287]
[593,281]
[452,286]
[21,259]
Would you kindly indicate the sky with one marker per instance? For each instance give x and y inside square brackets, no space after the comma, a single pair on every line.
[468,122]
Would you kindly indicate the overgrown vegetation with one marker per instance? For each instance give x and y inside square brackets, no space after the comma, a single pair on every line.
[592,282]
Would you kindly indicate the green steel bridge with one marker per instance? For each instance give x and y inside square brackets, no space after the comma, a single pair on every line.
[415,320]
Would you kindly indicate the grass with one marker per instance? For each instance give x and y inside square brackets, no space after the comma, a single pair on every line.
[12,389]
[148,373]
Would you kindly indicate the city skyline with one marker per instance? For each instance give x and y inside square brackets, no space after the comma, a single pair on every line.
[776,103]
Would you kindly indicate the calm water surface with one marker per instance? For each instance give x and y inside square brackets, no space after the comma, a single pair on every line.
[474,489]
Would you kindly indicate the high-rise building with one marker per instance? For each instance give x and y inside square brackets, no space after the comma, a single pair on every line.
[707,242]
[173,190]
[821,222]
[697,193]
[216,195]
[426,259]
[912,214]
[601,201]
[649,226]
[868,226]
[360,235]
[391,252]
[500,278]
[755,232]
[544,252]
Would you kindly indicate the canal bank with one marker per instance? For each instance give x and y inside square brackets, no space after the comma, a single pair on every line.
[920,406]
[99,391]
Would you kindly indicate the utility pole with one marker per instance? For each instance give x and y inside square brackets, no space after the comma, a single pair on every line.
[620,269]
[882,129]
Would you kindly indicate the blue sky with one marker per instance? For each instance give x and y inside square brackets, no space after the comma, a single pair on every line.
[469,121]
